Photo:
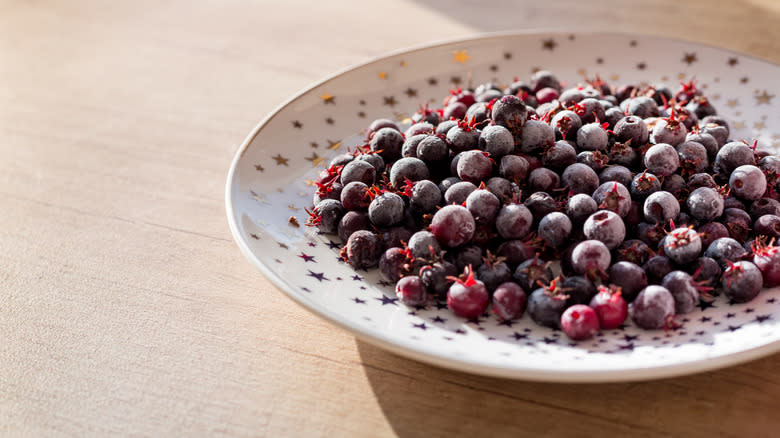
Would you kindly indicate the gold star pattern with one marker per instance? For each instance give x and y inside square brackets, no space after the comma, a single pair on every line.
[739,125]
[743,80]
[382,75]
[333,145]
[314,159]
[494,68]
[689,58]
[254,236]
[759,125]
[297,124]
[535,69]
[599,60]
[327,98]
[716,79]
[614,77]
[664,78]
[641,66]
[314,144]
[432,81]
[309,182]
[260,198]
[764,97]
[293,207]
[715,96]
[259,167]
[507,56]
[280,160]
[581,72]
[632,43]
[361,114]
[404,64]
[390,101]
[680,76]
[455,80]
[411,92]
[571,37]
[303,194]
[732,62]
[731,103]
[329,120]
[282,245]
[549,44]
[460,56]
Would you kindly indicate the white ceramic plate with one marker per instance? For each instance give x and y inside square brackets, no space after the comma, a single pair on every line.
[270,181]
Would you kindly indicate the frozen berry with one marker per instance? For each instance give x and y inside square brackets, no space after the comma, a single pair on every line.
[509,301]
[467,298]
[580,322]
[653,308]
[411,291]
[741,281]
[453,225]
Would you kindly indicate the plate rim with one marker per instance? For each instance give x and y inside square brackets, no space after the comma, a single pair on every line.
[465,364]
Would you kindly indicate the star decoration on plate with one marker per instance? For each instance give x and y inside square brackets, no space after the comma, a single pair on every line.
[382,75]
[493,68]
[764,97]
[282,245]
[358,300]
[731,103]
[333,145]
[390,101]
[739,125]
[259,197]
[549,44]
[411,92]
[297,124]
[732,62]
[689,58]
[329,120]
[641,66]
[759,125]
[404,64]
[599,60]
[762,318]
[361,114]
[455,80]
[254,236]
[744,80]
[432,81]
[460,56]
[309,182]
[259,167]
[293,207]
[280,160]
[386,300]
[315,159]
[420,326]
[328,99]
[307,258]
[632,43]
[320,276]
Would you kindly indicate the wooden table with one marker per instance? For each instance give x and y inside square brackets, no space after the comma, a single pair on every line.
[127,309]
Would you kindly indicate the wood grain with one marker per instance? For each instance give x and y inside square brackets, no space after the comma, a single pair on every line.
[126,309]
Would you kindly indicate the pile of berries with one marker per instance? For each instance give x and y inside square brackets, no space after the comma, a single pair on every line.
[639,192]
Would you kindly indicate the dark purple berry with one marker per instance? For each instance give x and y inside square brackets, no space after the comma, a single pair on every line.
[353,221]
[619,174]
[469,255]
[662,159]
[741,281]
[423,245]
[474,166]
[394,264]
[747,182]
[410,290]
[653,308]
[559,156]
[633,129]
[592,137]
[669,130]
[494,272]
[684,290]
[509,301]
[764,206]
[705,270]
[580,207]
[387,142]
[386,209]
[514,221]
[513,168]
[731,156]
[605,226]
[768,225]
[463,138]
[705,204]
[566,124]
[630,277]
[529,273]
[725,250]
[354,196]
[540,204]
[458,192]
[706,140]
[536,135]
[634,251]
[546,306]
[514,252]
[453,225]
[326,215]
[543,179]
[497,141]
[510,112]
[738,223]
[660,207]
[580,178]
[425,196]
[682,245]
[432,149]
[644,184]
[656,268]
[435,277]
[613,196]
[554,229]
[579,289]
[409,168]
[363,249]
[590,257]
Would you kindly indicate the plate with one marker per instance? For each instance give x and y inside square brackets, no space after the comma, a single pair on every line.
[270,182]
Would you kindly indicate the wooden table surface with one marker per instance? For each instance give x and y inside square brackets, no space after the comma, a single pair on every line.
[127,309]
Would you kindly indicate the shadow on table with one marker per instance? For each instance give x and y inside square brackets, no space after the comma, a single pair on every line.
[420,400]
